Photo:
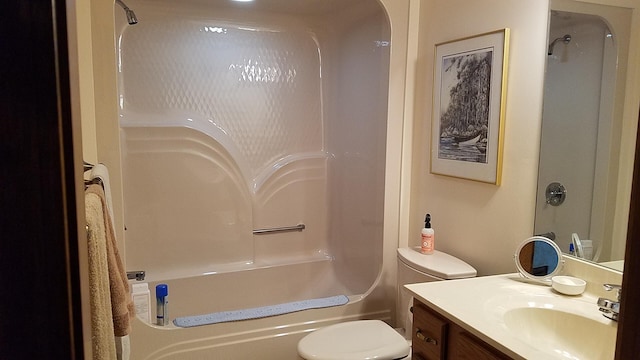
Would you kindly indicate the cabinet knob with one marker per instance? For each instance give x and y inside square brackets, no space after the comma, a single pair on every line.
[426,339]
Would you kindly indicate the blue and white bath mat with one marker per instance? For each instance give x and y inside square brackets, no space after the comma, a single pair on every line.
[260,312]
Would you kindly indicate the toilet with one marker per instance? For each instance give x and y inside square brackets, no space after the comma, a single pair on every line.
[374,339]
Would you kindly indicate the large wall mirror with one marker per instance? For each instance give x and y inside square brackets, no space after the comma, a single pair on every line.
[583,138]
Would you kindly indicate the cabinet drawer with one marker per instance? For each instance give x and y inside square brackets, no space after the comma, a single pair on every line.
[429,333]
[464,346]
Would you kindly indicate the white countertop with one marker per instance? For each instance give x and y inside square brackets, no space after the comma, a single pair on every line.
[478,305]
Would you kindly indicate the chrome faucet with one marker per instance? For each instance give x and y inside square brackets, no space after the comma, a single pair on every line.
[609,308]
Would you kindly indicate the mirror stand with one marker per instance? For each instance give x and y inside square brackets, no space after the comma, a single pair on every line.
[539,259]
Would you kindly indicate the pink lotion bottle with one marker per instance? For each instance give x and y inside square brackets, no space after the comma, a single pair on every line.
[428,237]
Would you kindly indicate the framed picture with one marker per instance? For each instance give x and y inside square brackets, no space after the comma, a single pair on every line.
[468,107]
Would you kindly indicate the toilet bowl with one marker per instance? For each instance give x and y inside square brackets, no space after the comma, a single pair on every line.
[374,339]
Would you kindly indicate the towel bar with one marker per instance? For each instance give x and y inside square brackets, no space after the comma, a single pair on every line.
[87,166]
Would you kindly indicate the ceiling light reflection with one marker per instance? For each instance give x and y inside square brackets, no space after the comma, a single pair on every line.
[215,29]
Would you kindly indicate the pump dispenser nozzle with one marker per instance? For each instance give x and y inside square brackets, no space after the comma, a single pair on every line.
[427,221]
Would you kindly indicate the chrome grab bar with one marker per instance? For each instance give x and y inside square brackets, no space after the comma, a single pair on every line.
[298,227]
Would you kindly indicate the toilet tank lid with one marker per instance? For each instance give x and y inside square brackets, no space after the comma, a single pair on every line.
[438,264]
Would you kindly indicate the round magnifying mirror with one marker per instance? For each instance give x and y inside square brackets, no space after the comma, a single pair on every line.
[538,258]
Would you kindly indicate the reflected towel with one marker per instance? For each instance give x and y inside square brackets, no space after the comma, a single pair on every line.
[121,303]
[102,340]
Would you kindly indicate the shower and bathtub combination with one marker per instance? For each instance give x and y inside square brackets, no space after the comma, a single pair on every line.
[254,146]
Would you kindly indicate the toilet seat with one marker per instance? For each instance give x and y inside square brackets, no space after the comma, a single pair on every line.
[354,340]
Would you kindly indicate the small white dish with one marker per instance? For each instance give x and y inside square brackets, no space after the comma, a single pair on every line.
[568,285]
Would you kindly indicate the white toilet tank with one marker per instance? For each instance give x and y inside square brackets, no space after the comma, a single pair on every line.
[415,267]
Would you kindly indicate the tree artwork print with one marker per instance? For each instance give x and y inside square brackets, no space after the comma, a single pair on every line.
[464,106]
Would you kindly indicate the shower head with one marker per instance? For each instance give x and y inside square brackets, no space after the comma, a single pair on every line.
[131,16]
[565,39]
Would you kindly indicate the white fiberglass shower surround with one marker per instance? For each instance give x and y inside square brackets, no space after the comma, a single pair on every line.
[239,119]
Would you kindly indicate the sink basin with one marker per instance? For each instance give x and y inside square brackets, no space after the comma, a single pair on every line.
[562,334]
[554,326]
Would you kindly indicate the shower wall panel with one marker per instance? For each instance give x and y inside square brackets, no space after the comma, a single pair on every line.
[233,121]
[259,86]
[223,133]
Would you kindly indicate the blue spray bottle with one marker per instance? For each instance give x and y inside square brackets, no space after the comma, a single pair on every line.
[162,310]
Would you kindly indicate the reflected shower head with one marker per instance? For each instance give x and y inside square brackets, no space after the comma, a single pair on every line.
[131,16]
[565,39]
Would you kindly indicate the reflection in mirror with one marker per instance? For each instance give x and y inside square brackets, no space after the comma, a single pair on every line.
[586,67]
[538,258]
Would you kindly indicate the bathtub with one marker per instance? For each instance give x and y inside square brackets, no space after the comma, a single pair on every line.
[238,118]
[268,338]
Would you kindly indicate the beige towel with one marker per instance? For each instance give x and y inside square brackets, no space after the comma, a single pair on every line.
[100,171]
[102,343]
[121,303]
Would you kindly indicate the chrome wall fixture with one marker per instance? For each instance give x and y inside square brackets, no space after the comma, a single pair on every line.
[132,19]
[565,39]
[556,193]
[137,275]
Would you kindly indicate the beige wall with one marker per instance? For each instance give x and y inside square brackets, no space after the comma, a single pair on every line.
[478,222]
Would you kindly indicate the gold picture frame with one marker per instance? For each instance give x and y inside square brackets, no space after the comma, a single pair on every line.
[469,96]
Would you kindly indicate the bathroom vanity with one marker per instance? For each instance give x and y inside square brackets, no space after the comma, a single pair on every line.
[507,317]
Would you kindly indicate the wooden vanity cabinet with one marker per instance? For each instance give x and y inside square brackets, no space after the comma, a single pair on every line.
[437,338]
